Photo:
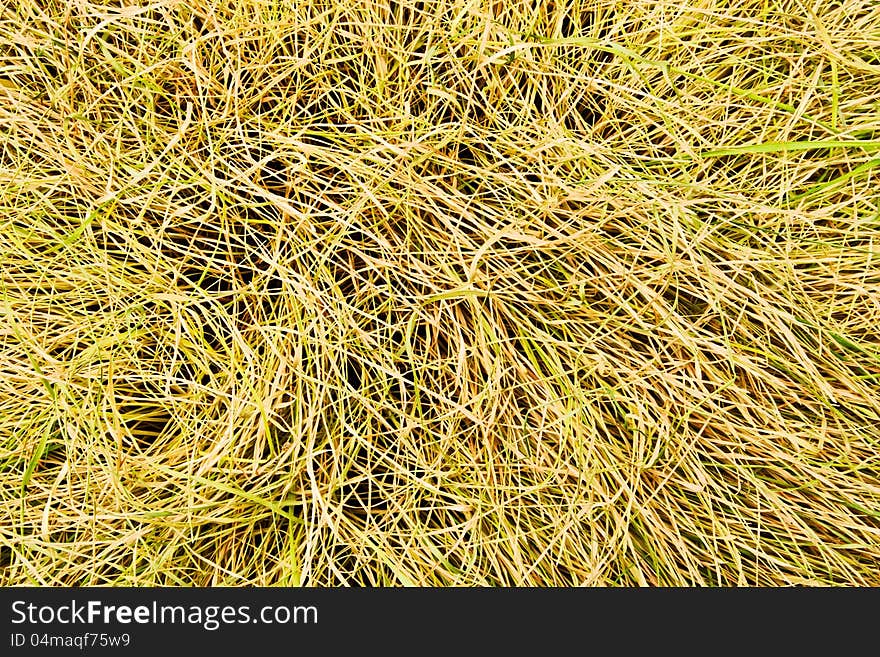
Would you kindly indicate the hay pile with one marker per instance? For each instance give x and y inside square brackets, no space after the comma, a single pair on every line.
[459,292]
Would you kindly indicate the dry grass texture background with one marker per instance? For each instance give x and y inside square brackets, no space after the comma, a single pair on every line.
[462,292]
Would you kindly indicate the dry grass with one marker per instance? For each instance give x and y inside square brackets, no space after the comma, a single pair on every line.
[461,292]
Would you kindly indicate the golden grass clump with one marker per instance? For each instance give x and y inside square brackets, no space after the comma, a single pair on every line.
[461,292]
